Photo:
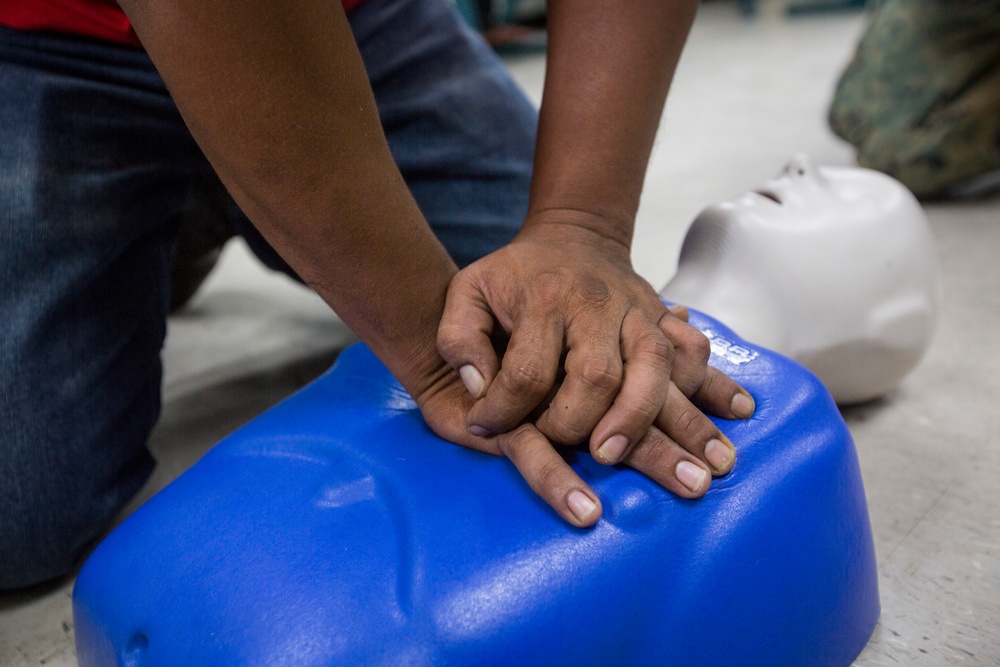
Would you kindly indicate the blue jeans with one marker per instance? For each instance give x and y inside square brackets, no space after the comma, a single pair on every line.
[96,166]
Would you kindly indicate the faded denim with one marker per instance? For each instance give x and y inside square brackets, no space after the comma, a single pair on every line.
[96,166]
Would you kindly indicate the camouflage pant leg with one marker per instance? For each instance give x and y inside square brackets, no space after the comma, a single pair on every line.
[921,98]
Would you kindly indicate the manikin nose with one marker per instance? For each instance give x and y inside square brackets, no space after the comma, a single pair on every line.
[800,166]
[800,172]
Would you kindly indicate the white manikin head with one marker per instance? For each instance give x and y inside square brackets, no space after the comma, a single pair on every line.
[834,267]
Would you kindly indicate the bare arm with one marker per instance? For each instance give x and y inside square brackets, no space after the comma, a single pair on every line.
[609,69]
[566,284]
[277,97]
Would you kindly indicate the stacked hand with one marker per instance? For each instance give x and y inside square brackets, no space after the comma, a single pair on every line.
[591,355]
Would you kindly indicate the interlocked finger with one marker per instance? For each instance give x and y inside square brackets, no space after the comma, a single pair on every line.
[526,377]
[688,426]
[548,474]
[647,355]
[691,353]
[709,388]
[669,465]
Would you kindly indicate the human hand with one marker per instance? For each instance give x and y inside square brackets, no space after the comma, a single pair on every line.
[445,405]
[635,373]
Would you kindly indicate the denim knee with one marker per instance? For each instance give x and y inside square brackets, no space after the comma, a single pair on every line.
[73,448]
[95,169]
[49,517]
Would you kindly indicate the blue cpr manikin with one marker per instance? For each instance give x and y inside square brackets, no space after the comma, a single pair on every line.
[337,529]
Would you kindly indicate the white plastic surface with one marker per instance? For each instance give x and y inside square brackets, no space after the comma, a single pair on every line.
[835,267]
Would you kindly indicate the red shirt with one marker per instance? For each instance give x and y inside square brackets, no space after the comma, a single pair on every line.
[100,19]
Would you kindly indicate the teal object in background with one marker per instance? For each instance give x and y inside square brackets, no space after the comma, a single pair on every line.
[471,12]
[337,529]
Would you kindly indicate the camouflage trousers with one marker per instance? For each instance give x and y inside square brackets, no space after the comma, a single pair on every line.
[921,98]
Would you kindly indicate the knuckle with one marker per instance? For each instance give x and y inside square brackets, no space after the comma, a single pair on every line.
[601,374]
[686,424]
[513,444]
[450,340]
[528,380]
[650,449]
[696,344]
[715,384]
[656,344]
[549,474]
[563,429]
[644,408]
[462,284]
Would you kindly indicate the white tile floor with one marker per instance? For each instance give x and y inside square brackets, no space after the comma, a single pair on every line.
[747,96]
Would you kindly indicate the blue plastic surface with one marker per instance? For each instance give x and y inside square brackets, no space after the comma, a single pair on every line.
[336,529]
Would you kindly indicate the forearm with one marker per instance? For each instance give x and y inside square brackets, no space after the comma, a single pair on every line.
[609,69]
[277,97]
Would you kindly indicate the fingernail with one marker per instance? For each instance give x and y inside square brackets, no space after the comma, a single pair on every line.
[581,505]
[691,476]
[478,431]
[743,406]
[720,455]
[613,448]
[473,380]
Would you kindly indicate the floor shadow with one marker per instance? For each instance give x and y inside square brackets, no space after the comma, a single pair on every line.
[859,413]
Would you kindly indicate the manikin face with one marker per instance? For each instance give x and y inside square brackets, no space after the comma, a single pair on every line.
[835,267]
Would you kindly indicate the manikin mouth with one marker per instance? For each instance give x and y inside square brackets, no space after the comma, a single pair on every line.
[770,194]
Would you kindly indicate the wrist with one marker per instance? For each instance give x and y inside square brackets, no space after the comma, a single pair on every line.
[404,336]
[573,225]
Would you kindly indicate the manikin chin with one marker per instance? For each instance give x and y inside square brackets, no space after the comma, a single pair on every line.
[834,267]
